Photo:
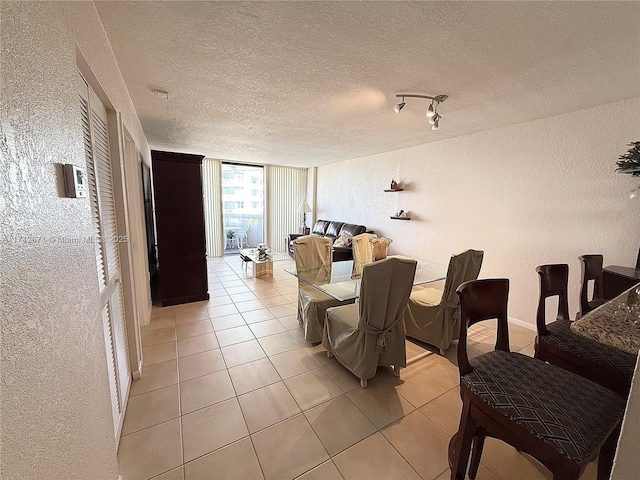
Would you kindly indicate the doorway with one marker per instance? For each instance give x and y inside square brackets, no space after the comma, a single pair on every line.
[242,206]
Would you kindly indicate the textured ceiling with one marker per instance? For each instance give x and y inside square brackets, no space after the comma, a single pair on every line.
[310,83]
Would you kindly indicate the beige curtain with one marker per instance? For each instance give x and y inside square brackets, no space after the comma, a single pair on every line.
[212,190]
[285,189]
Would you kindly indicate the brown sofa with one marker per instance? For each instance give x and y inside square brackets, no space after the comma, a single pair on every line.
[326,228]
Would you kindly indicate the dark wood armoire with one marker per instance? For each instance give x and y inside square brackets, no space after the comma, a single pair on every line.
[179,215]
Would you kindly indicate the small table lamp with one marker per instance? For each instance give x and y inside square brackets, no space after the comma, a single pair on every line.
[304,208]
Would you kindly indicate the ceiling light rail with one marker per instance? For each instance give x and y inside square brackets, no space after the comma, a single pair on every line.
[432,112]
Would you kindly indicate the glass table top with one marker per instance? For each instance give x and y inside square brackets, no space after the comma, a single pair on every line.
[269,255]
[342,287]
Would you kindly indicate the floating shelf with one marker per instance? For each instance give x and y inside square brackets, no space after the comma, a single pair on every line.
[394,190]
[400,218]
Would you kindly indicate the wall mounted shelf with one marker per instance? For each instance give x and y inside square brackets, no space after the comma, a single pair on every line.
[400,218]
[394,190]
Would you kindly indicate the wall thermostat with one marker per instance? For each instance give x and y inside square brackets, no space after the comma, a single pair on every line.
[75,181]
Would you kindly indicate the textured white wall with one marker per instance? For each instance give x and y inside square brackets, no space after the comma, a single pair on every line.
[55,414]
[528,194]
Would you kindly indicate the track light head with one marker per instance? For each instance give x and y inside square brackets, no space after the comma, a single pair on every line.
[399,107]
[435,125]
[431,111]
[433,120]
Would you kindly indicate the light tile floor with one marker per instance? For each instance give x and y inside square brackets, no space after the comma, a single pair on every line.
[231,390]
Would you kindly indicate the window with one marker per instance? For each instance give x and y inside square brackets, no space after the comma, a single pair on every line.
[242,202]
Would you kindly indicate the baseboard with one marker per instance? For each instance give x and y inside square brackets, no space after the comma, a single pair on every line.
[137,374]
[520,323]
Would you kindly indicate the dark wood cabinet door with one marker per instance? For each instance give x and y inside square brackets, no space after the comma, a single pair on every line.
[177,182]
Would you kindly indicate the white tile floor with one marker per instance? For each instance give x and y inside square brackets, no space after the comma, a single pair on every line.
[230,390]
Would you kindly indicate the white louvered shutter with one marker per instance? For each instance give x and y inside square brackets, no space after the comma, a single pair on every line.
[101,196]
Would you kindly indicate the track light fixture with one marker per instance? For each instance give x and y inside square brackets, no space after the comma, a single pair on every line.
[399,106]
[432,111]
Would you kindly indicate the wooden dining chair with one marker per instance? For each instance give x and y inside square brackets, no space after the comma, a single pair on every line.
[558,345]
[559,418]
[591,271]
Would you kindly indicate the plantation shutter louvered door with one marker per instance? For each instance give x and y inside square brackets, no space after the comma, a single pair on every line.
[101,196]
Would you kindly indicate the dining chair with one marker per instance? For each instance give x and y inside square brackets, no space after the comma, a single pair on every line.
[561,419]
[312,257]
[432,316]
[380,247]
[591,271]
[558,345]
[370,333]
[362,253]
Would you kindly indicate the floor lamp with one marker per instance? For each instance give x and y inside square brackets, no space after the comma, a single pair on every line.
[304,208]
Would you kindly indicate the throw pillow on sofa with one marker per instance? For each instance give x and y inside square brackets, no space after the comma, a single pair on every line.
[344,240]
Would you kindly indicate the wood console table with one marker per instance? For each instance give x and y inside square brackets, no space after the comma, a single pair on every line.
[617,279]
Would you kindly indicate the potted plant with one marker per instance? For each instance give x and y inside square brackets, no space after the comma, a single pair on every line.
[630,161]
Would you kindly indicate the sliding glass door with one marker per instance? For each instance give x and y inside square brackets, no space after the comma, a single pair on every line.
[242,206]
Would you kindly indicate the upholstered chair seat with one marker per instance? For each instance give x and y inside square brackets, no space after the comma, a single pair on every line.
[560,408]
[562,338]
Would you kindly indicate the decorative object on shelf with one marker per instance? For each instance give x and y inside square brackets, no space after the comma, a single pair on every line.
[401,215]
[432,112]
[630,163]
[394,187]
[303,208]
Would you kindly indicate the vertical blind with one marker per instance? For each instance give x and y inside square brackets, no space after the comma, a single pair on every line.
[286,188]
[212,189]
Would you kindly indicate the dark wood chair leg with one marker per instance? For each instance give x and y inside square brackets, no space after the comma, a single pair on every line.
[452,450]
[462,446]
[607,454]
[476,453]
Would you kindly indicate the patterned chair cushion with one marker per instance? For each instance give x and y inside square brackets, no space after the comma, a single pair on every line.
[562,338]
[566,411]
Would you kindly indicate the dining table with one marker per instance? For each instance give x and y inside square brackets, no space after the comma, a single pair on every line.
[616,323]
[343,285]
[340,283]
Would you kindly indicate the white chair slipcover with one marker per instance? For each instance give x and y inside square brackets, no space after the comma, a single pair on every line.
[371,333]
[433,316]
[362,253]
[312,255]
